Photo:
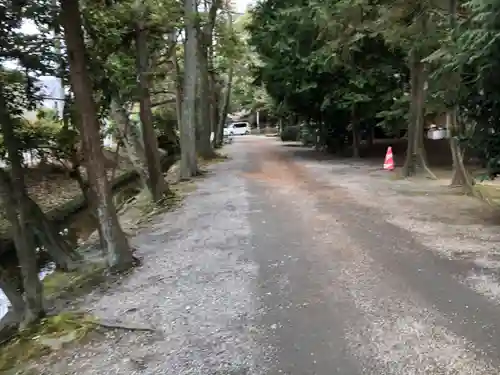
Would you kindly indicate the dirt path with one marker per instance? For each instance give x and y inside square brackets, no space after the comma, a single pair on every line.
[283,264]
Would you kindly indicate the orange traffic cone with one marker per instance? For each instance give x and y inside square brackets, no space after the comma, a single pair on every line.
[389,161]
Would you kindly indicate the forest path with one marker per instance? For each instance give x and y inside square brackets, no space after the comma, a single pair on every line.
[283,263]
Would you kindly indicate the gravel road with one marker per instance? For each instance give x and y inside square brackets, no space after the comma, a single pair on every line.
[283,264]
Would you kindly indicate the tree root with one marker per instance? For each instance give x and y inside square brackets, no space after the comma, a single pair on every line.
[423,165]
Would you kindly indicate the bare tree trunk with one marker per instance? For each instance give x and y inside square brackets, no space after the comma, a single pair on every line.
[213,106]
[225,106]
[205,149]
[415,153]
[355,132]
[218,132]
[410,166]
[420,108]
[206,126]
[178,81]
[189,162]
[133,146]
[460,175]
[76,159]
[371,136]
[20,219]
[156,183]
[118,251]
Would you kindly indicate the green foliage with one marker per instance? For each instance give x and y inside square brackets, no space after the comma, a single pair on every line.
[339,61]
[318,68]
[40,339]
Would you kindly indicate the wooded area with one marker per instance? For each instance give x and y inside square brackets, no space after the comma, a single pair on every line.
[156,76]
[348,69]
[161,77]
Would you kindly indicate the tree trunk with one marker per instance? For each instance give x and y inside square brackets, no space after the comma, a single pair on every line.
[178,83]
[213,106]
[42,228]
[415,153]
[217,96]
[119,254]
[76,159]
[227,97]
[156,183]
[189,162]
[225,107]
[460,175]
[355,132]
[207,109]
[133,146]
[205,149]
[371,136]
[19,215]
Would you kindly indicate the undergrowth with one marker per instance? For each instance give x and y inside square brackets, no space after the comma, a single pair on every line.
[59,283]
[31,343]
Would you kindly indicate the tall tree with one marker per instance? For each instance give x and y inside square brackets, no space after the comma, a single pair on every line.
[118,251]
[205,46]
[460,175]
[189,162]
[20,219]
[224,109]
[156,183]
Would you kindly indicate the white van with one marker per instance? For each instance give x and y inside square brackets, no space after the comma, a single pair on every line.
[239,128]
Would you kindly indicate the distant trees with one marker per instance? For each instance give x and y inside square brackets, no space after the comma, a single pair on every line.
[353,66]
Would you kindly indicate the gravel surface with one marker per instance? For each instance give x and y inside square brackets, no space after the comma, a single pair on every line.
[281,263]
[194,288]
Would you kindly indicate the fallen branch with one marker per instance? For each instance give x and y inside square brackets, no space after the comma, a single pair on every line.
[128,326]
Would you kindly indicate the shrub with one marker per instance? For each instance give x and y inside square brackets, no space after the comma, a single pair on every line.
[290,133]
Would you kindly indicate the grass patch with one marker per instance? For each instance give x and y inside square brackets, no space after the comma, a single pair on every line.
[50,334]
[184,188]
[217,158]
[490,193]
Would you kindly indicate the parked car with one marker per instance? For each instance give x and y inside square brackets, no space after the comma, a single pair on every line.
[238,128]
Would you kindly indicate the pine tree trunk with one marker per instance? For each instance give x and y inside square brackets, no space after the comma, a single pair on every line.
[189,162]
[119,254]
[156,183]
